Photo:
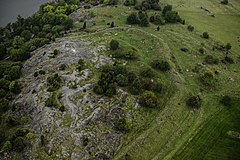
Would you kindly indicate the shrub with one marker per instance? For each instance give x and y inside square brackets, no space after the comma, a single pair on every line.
[42,72]
[172,17]
[148,99]
[184,49]
[205,35]
[208,79]
[51,102]
[35,74]
[228,46]
[19,144]
[143,17]
[30,136]
[194,102]
[209,59]
[224,2]
[229,59]
[226,100]
[62,108]
[54,82]
[131,77]
[12,120]
[122,125]
[190,28]
[98,89]
[166,9]
[147,72]
[2,93]
[136,86]
[114,44]
[7,146]
[129,2]
[14,87]
[55,52]
[121,80]
[111,90]
[201,50]
[62,67]
[4,105]
[161,65]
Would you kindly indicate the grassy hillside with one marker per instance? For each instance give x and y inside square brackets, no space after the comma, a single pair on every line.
[176,131]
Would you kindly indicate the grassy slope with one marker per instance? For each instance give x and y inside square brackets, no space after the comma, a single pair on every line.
[176,131]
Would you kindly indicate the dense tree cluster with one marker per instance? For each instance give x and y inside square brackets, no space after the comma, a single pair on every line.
[141,18]
[17,40]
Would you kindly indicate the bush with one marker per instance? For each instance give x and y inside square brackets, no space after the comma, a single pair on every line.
[147,72]
[228,46]
[51,102]
[14,87]
[136,87]
[12,120]
[194,102]
[224,2]
[208,79]
[209,59]
[143,17]
[121,80]
[122,125]
[111,90]
[19,144]
[114,44]
[62,67]
[201,50]
[4,105]
[98,89]
[226,100]
[190,28]
[35,74]
[54,82]
[131,77]
[205,35]
[148,99]
[42,72]
[166,9]
[7,146]
[229,59]
[172,17]
[161,65]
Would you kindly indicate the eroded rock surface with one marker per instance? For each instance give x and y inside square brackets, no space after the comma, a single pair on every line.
[85,130]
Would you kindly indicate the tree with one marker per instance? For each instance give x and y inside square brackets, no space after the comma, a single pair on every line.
[228,46]
[68,23]
[166,9]
[14,87]
[2,51]
[133,18]
[172,17]
[26,34]
[194,101]
[158,28]
[205,35]
[114,44]
[226,100]
[148,99]
[143,17]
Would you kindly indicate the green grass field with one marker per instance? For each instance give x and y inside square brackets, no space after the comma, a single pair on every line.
[176,131]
